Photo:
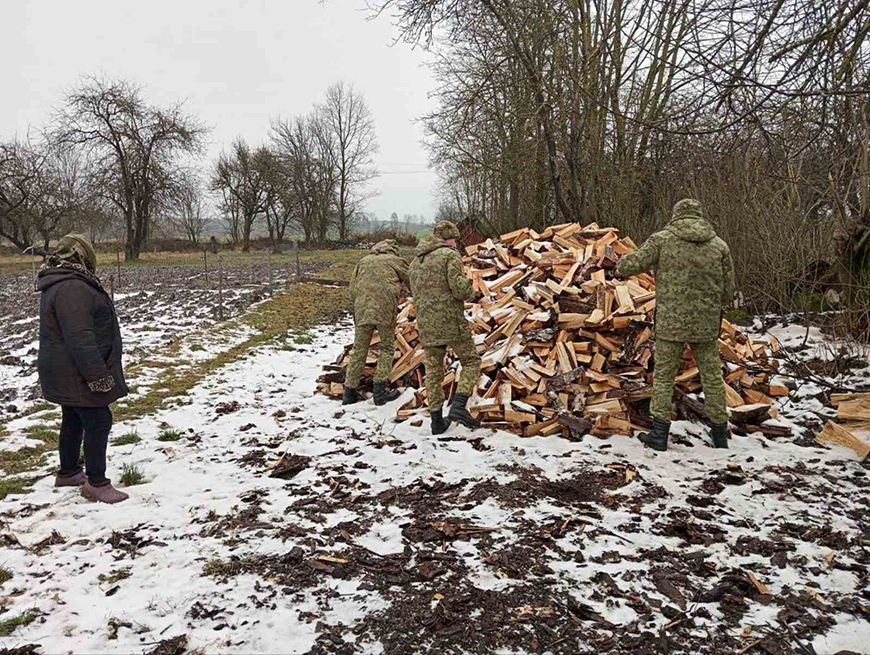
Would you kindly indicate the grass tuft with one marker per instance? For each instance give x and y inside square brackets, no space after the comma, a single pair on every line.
[129,439]
[170,435]
[26,458]
[38,407]
[131,475]
[5,574]
[115,576]
[48,434]
[15,486]
[221,568]
[8,626]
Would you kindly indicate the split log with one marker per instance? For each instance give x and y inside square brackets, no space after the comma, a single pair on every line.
[749,413]
[839,435]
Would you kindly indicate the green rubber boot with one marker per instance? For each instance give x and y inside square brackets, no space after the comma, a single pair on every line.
[719,434]
[657,439]
[459,413]
[439,423]
[350,396]
[382,396]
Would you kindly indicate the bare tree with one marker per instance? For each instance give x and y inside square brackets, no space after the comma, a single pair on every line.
[240,177]
[353,143]
[231,216]
[41,190]
[135,146]
[448,211]
[302,150]
[188,208]
[281,200]
[19,186]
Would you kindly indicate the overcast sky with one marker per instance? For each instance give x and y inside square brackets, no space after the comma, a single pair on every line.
[238,63]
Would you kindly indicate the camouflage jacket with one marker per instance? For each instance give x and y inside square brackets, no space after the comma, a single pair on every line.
[440,289]
[376,285]
[694,278]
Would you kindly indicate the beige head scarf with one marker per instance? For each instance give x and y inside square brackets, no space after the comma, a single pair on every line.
[77,247]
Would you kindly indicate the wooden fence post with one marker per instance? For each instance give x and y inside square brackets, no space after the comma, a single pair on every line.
[33,270]
[220,288]
[298,267]
[205,263]
[118,258]
[270,273]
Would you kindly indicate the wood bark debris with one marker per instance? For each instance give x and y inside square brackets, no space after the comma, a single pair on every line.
[567,347]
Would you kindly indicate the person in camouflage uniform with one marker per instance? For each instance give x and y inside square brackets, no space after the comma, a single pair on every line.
[694,279]
[440,289]
[375,290]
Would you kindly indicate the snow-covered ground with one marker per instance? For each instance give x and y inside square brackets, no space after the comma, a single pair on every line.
[380,538]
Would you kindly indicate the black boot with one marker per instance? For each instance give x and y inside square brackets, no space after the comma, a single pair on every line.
[439,423]
[719,433]
[350,396]
[382,396]
[657,439]
[459,413]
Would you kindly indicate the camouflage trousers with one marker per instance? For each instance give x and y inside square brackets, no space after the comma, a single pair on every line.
[466,351]
[362,340]
[668,356]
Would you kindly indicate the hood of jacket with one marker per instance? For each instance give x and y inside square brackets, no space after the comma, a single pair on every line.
[386,247]
[688,228]
[51,276]
[429,244]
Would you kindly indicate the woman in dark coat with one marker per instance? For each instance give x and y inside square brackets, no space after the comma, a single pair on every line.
[80,363]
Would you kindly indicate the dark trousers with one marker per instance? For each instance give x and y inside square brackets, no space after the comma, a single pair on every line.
[91,425]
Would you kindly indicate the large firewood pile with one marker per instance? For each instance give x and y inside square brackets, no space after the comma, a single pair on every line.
[568,348]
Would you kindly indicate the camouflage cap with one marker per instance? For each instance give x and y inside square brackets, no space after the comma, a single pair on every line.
[688,208]
[446,230]
[77,244]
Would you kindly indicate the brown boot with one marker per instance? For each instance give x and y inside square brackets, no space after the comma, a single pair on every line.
[74,480]
[105,493]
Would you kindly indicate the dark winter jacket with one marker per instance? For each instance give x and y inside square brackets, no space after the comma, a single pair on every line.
[79,341]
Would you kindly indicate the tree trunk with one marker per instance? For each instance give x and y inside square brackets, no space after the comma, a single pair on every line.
[130,252]
[246,236]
